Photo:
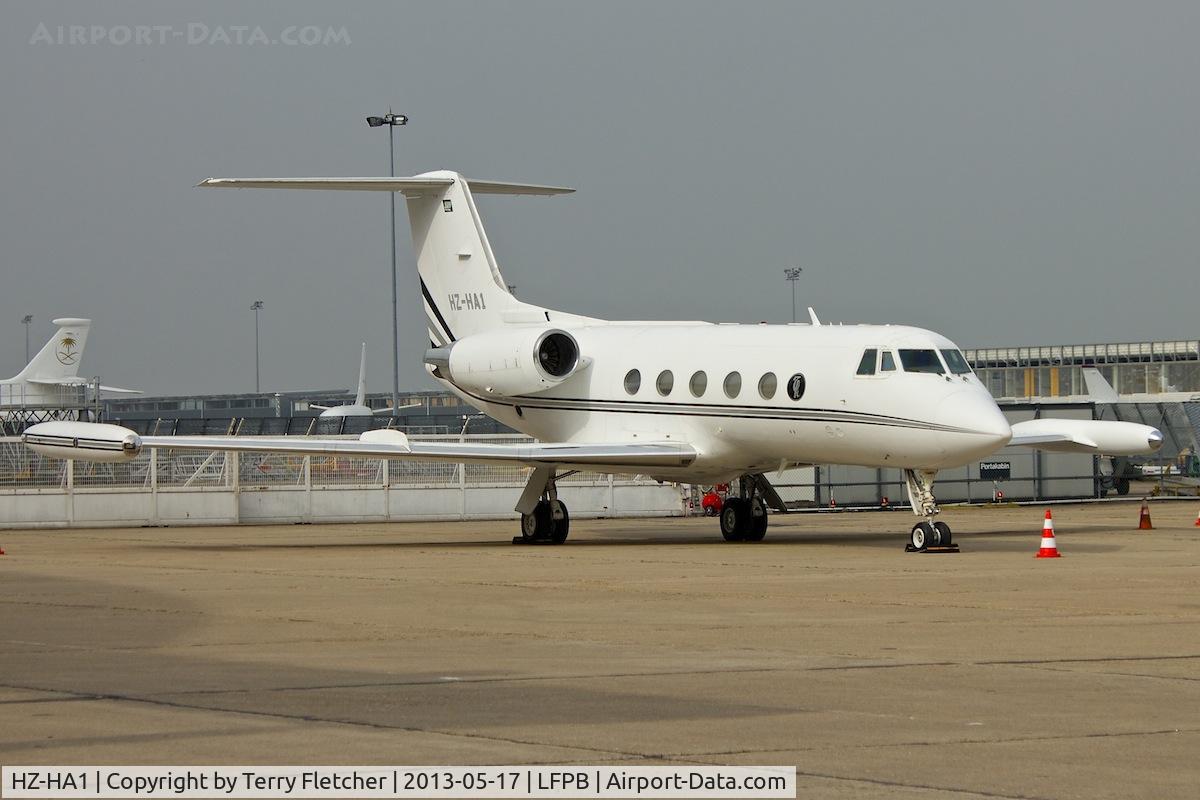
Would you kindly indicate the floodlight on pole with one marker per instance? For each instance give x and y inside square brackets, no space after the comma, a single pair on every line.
[25,320]
[256,306]
[392,121]
[792,274]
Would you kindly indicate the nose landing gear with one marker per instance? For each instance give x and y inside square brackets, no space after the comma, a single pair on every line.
[930,535]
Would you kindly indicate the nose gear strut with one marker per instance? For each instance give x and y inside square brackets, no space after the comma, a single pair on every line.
[927,534]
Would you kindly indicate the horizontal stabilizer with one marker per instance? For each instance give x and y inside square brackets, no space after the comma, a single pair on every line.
[417,185]
[78,381]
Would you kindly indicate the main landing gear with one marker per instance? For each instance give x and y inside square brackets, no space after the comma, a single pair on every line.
[744,517]
[544,518]
[927,534]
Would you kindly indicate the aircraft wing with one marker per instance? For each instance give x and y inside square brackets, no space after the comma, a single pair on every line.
[89,441]
[76,381]
[1102,437]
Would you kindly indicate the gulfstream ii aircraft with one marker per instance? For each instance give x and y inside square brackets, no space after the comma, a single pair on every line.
[693,402]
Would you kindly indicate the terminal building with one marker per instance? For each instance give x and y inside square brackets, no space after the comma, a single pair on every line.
[1055,372]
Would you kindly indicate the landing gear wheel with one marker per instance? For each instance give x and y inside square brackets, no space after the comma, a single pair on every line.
[943,534]
[560,520]
[923,535]
[539,525]
[757,528]
[734,519]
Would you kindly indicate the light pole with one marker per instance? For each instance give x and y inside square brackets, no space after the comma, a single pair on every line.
[392,121]
[256,306]
[25,320]
[792,274]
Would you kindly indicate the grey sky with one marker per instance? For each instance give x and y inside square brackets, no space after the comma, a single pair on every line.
[1005,173]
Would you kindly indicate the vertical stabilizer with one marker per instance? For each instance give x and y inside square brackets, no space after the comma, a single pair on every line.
[61,355]
[361,397]
[1100,390]
[461,284]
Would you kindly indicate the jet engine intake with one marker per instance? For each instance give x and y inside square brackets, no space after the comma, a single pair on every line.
[508,363]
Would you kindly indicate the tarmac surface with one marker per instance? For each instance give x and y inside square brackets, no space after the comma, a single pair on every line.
[878,673]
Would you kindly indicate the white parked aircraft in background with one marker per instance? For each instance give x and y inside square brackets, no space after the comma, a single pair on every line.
[359,407]
[694,402]
[47,376]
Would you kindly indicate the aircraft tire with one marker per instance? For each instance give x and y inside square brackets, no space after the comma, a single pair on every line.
[943,534]
[539,525]
[560,527]
[922,535]
[733,519]
[757,527]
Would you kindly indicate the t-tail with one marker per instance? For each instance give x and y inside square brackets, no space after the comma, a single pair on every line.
[60,357]
[463,291]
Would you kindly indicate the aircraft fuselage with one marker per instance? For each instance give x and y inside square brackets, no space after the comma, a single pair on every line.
[749,397]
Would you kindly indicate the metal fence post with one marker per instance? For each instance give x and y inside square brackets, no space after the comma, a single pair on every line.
[462,490]
[387,488]
[153,485]
[235,484]
[308,488]
[71,491]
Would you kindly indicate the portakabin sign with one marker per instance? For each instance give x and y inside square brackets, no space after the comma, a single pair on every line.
[995,470]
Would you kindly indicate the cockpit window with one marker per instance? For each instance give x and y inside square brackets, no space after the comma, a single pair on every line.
[867,365]
[921,361]
[955,361]
[887,362]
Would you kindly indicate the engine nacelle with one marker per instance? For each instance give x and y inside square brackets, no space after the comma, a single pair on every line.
[508,363]
[85,441]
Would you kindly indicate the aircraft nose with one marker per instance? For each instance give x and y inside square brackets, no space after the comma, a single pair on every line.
[976,414]
[1154,439]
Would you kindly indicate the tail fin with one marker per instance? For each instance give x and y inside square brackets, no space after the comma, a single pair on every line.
[61,355]
[461,284]
[361,397]
[1099,389]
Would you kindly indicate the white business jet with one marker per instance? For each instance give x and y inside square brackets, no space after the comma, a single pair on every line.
[693,402]
[55,369]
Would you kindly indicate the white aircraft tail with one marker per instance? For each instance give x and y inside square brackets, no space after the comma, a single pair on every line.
[61,355]
[360,399]
[1100,390]
[461,284]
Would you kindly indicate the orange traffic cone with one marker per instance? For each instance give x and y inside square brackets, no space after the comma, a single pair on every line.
[1198,520]
[1144,523]
[1049,549]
